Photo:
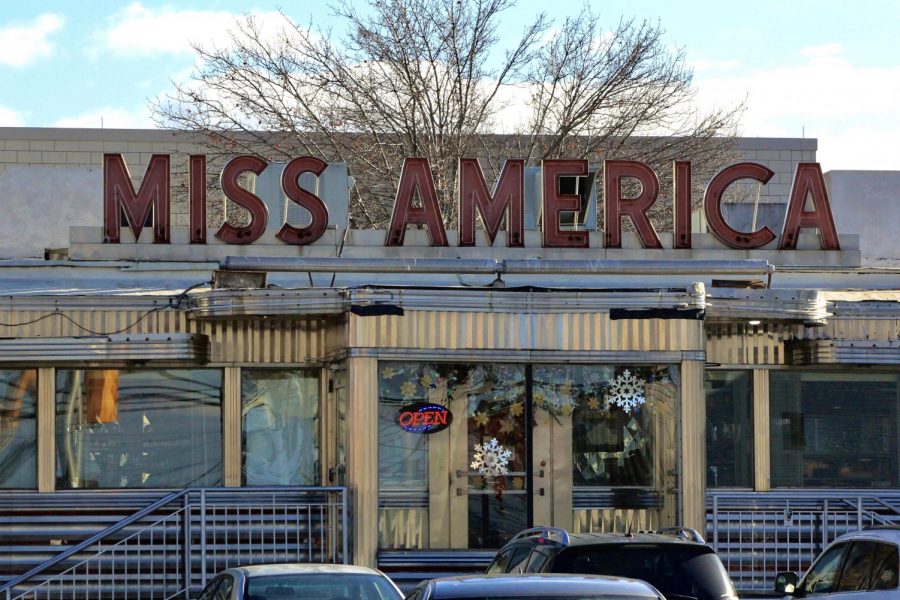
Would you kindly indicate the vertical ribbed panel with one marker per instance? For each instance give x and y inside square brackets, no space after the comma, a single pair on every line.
[272,341]
[761,433]
[362,459]
[403,528]
[743,344]
[615,520]
[693,445]
[231,427]
[502,331]
[46,425]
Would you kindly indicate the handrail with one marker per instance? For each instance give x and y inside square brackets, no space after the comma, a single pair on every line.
[6,587]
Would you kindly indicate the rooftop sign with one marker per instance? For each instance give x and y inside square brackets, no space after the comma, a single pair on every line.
[505,204]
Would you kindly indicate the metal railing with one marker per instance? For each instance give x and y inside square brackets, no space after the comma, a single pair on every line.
[758,535]
[170,548]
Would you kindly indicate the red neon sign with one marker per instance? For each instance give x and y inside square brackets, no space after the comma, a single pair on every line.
[424,417]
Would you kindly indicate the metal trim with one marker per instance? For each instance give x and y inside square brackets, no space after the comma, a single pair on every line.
[836,352]
[807,306]
[543,356]
[182,347]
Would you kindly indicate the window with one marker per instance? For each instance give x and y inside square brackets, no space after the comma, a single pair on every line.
[139,428]
[619,414]
[884,576]
[822,577]
[729,429]
[18,429]
[279,427]
[858,567]
[834,430]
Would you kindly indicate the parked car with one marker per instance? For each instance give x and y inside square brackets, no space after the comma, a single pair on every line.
[675,561]
[526,587]
[288,581]
[861,565]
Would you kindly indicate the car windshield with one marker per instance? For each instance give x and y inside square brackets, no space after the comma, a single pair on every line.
[678,571]
[324,586]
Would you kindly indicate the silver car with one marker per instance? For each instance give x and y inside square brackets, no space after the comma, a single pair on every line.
[296,580]
[532,587]
[862,565]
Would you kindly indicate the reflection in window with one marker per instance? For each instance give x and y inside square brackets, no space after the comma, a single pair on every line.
[18,431]
[729,429]
[279,424]
[834,429]
[616,412]
[138,429]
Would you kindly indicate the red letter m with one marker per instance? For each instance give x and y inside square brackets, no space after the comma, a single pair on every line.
[119,196]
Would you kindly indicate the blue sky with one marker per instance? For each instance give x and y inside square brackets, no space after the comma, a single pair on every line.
[826,69]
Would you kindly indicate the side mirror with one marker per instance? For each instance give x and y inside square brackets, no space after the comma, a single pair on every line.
[786,583]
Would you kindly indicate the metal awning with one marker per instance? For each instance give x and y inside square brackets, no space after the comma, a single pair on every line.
[842,352]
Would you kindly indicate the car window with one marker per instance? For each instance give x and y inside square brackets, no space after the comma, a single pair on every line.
[536,561]
[321,585]
[887,564]
[224,590]
[688,570]
[517,561]
[857,570]
[822,577]
[209,591]
[500,561]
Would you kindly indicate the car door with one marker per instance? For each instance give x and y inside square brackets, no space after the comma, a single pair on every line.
[854,570]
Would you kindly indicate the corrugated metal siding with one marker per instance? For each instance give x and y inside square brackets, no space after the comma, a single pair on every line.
[232,341]
[510,331]
[743,344]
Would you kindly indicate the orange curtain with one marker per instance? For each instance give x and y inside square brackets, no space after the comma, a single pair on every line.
[102,396]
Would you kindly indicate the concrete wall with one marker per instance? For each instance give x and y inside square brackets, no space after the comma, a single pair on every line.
[868,203]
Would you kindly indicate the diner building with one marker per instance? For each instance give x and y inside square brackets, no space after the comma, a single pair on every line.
[441,397]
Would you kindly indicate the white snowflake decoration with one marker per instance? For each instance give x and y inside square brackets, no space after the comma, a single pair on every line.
[626,391]
[491,459]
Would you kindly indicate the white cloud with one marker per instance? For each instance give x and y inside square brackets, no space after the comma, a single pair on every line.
[109,118]
[21,45]
[141,30]
[11,118]
[850,108]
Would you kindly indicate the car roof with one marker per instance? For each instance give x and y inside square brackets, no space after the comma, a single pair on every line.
[499,586]
[585,539]
[881,534]
[304,569]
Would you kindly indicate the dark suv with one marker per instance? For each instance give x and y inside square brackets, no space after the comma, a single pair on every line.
[675,561]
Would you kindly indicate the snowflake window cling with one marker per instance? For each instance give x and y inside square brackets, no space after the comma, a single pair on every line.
[626,391]
[491,459]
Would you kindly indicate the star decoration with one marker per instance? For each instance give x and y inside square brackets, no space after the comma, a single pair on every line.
[389,373]
[481,418]
[508,426]
[565,389]
[518,483]
[593,403]
[426,380]
[567,410]
[408,389]
[516,409]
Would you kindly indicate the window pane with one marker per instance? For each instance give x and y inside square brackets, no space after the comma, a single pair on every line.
[823,575]
[729,429]
[887,564]
[857,567]
[18,429]
[834,429]
[279,425]
[618,414]
[139,429]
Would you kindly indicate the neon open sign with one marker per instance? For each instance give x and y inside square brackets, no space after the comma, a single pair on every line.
[424,417]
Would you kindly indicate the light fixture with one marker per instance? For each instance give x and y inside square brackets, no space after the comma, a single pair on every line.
[754,322]
[239,280]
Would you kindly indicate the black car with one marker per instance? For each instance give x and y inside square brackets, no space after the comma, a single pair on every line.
[526,587]
[674,561]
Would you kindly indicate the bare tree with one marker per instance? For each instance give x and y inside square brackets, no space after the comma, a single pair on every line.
[426,78]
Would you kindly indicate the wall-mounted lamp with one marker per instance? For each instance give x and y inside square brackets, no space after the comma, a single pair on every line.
[754,322]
